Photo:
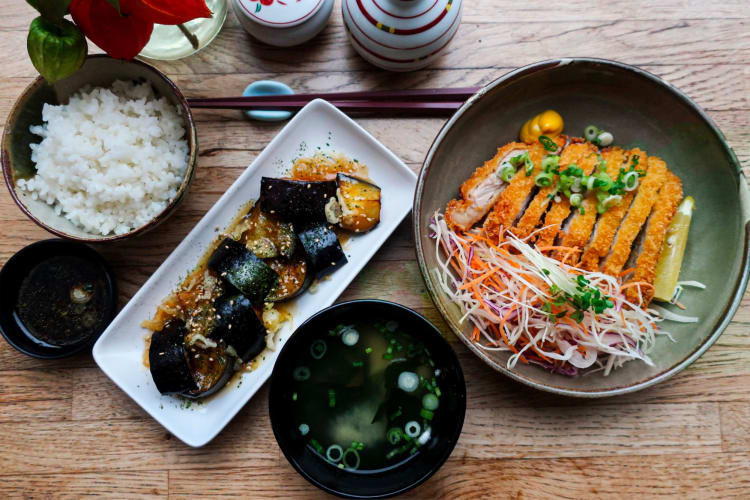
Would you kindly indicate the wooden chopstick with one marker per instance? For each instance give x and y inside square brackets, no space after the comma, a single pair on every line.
[358,106]
[421,95]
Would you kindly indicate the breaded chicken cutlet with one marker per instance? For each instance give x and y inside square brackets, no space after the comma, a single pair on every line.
[628,233]
[480,192]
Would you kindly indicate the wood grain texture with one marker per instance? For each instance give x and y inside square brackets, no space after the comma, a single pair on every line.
[66,431]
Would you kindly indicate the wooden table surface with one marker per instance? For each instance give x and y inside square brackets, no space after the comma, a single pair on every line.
[66,430]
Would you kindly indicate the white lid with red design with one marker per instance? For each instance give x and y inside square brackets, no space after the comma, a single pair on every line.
[280,13]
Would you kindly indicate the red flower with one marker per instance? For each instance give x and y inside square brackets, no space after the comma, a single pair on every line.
[123,35]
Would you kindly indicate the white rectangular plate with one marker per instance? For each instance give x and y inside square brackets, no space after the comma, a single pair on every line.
[119,351]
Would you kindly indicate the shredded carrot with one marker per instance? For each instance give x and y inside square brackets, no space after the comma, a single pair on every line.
[626,271]
[504,286]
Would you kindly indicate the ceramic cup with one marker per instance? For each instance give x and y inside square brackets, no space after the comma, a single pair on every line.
[401,35]
[283,23]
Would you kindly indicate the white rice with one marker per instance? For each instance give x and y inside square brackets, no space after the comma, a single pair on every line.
[111,159]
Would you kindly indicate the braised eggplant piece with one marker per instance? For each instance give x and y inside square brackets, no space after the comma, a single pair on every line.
[211,368]
[321,245]
[359,203]
[296,201]
[238,326]
[267,236]
[294,277]
[167,359]
[241,268]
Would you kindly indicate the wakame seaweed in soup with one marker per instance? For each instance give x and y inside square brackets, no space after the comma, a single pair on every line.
[364,395]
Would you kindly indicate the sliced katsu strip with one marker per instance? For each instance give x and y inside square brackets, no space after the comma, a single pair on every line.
[579,226]
[513,200]
[535,211]
[555,219]
[640,209]
[480,192]
[670,196]
[609,221]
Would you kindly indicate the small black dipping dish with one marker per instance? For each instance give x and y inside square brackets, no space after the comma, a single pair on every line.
[56,298]
[284,400]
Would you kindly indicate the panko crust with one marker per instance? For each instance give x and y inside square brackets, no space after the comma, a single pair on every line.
[582,223]
[640,209]
[670,196]
[457,210]
[609,221]
[510,203]
[580,154]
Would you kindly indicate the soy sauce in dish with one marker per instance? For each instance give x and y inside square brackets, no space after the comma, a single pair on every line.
[364,396]
[62,301]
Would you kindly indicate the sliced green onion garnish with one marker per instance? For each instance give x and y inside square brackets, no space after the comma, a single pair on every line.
[368,350]
[590,132]
[350,337]
[318,447]
[394,435]
[576,200]
[630,180]
[301,373]
[391,326]
[589,182]
[507,172]
[294,396]
[304,429]
[357,364]
[426,414]
[318,349]
[600,208]
[349,455]
[573,170]
[604,138]
[529,167]
[543,179]
[412,429]
[612,200]
[396,414]
[550,162]
[335,453]
[430,401]
[397,451]
[331,398]
[564,182]
[408,381]
[548,143]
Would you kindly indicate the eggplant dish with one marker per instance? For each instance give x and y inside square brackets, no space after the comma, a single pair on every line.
[226,312]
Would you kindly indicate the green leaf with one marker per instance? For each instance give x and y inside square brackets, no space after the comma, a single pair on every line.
[115,4]
[52,10]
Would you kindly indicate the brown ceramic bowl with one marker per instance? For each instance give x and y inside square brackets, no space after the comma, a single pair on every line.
[97,70]
[640,110]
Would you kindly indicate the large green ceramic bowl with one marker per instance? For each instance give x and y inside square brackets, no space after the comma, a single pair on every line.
[97,71]
[641,110]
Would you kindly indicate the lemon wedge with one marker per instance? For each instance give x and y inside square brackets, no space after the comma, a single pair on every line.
[672,251]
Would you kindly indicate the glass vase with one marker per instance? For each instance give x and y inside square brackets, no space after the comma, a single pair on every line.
[169,42]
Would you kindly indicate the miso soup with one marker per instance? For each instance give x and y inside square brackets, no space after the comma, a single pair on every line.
[364,395]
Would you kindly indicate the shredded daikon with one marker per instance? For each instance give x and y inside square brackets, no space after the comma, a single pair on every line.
[506,291]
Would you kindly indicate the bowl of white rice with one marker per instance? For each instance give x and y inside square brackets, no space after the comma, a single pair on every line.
[103,155]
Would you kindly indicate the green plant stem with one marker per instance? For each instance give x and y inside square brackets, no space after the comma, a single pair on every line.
[191,37]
